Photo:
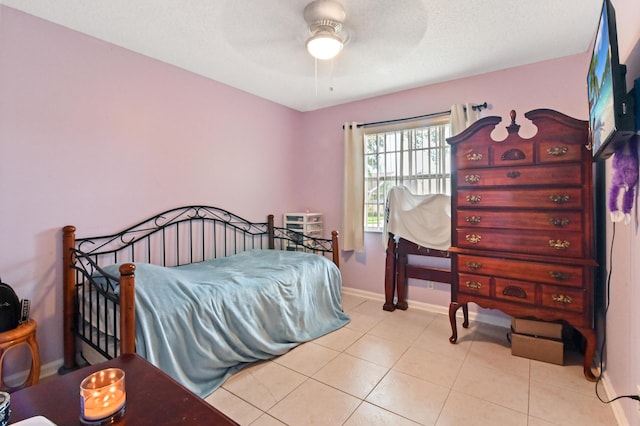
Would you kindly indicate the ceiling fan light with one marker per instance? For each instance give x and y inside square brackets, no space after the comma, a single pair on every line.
[324,45]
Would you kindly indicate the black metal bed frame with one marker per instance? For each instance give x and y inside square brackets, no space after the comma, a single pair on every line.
[172,238]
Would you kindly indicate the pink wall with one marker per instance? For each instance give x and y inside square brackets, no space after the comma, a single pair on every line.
[558,84]
[98,137]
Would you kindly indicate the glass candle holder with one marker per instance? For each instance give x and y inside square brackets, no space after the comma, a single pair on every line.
[102,397]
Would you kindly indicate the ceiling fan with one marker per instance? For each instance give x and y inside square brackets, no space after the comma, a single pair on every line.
[274,35]
[325,19]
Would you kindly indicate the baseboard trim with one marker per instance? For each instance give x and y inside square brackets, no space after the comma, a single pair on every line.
[46,370]
[429,307]
[616,406]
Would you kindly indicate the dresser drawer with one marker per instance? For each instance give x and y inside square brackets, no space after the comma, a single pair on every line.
[565,198]
[555,151]
[569,174]
[563,298]
[472,156]
[474,284]
[537,272]
[516,291]
[557,220]
[554,243]
[512,154]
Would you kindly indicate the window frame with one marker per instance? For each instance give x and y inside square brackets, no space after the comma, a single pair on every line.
[442,120]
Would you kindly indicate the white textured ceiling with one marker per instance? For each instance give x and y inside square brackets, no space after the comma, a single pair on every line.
[258,45]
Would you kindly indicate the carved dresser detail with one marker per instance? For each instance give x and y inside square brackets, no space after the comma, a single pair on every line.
[522,223]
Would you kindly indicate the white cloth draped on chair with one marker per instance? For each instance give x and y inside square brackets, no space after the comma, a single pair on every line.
[462,116]
[422,219]
[352,235]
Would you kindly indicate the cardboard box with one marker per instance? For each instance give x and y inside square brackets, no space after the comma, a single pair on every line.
[552,330]
[537,340]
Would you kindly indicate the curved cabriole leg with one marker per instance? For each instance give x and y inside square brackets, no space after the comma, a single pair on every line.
[589,352]
[453,308]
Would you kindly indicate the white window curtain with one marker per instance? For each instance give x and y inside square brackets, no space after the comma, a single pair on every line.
[352,235]
[462,116]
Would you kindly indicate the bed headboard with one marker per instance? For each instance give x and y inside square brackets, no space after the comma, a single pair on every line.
[177,237]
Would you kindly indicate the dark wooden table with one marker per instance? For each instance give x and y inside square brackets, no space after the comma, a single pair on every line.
[153,398]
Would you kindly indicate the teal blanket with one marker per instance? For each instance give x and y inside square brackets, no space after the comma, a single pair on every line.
[202,322]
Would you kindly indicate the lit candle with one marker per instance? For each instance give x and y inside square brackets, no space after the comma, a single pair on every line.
[102,394]
[103,403]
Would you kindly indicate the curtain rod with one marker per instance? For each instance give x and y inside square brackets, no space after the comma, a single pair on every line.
[417,117]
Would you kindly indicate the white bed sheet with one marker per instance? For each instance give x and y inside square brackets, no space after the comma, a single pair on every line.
[421,219]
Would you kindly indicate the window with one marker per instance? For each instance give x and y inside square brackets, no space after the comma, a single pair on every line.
[416,156]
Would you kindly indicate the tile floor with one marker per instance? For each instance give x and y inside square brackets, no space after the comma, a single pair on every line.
[398,368]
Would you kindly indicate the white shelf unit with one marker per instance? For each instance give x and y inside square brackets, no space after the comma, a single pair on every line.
[309,224]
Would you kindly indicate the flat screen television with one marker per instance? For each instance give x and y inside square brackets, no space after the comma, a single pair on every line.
[611,116]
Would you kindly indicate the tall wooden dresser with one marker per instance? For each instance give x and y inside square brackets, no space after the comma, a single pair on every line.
[522,223]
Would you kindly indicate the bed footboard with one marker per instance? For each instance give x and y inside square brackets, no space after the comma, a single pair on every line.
[92,306]
[280,237]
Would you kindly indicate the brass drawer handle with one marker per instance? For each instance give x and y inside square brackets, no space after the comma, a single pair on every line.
[474,265]
[474,199]
[557,151]
[560,276]
[514,291]
[559,244]
[559,222]
[472,178]
[474,285]
[561,298]
[513,175]
[559,199]
[474,156]
[473,238]
[474,220]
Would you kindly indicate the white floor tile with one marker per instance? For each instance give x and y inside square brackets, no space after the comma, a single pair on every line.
[409,397]
[232,406]
[508,390]
[461,409]
[563,407]
[264,384]
[314,403]
[399,368]
[307,358]
[340,339]
[267,420]
[380,351]
[369,415]
[430,366]
[352,375]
